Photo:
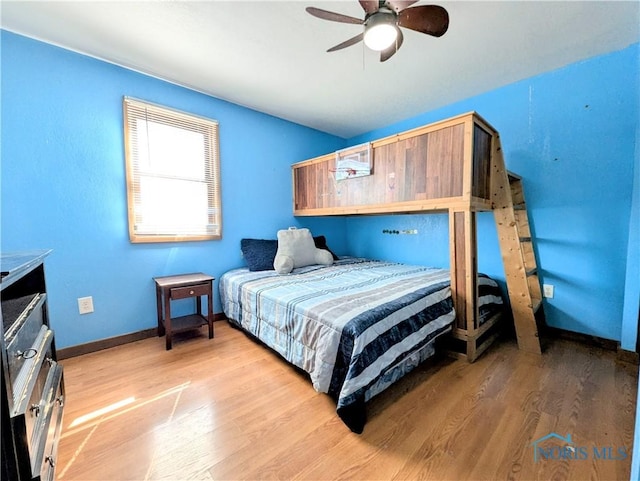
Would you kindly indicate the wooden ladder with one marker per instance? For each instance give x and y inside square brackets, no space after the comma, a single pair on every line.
[518,256]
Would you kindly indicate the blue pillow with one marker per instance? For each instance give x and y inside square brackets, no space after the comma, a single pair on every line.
[259,253]
[321,243]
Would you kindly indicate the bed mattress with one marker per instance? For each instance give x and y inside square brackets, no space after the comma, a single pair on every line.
[355,327]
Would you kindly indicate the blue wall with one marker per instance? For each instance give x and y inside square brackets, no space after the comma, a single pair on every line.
[63,184]
[571,135]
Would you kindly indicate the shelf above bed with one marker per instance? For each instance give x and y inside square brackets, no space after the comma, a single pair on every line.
[432,168]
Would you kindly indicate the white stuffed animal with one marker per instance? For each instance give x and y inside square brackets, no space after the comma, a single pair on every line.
[297,249]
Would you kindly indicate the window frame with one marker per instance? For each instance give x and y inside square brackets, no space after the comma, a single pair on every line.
[132,112]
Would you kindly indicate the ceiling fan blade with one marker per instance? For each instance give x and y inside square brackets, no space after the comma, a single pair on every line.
[399,5]
[389,52]
[370,6]
[429,19]
[347,43]
[334,17]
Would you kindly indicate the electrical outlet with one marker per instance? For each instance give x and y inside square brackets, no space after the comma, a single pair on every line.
[547,291]
[85,305]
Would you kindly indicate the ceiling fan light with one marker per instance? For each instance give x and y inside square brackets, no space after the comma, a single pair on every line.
[380,31]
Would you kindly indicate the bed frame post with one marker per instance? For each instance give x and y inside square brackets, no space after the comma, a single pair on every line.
[464,272]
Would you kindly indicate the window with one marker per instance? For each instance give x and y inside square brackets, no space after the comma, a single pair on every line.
[173,175]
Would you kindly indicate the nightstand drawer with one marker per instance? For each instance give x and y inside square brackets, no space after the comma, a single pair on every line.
[190,291]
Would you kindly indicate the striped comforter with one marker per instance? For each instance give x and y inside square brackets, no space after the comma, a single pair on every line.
[355,327]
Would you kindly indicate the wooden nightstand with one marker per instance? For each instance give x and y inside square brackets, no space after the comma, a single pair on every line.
[182,287]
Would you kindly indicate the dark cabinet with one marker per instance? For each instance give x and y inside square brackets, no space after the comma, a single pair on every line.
[32,392]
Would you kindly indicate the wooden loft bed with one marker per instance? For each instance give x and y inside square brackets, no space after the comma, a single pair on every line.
[454,166]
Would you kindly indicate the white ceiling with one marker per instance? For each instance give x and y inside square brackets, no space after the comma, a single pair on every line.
[270,55]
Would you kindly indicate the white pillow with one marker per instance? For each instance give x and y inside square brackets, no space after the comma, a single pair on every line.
[297,249]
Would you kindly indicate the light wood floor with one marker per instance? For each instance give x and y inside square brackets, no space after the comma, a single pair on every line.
[228,408]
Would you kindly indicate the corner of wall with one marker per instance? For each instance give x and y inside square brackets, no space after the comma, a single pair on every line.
[631,308]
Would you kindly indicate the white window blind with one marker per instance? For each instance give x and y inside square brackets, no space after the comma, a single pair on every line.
[173,180]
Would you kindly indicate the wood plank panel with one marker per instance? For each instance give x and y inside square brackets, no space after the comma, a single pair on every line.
[298,189]
[457,165]
[458,270]
[445,168]
[421,167]
[312,186]
[471,277]
[378,189]
[438,156]
[481,186]
[411,161]
[321,179]
[395,179]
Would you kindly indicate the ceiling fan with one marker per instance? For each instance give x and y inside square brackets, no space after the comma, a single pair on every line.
[382,21]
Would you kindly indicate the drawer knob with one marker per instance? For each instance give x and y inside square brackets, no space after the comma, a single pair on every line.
[191,292]
[35,409]
[27,354]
